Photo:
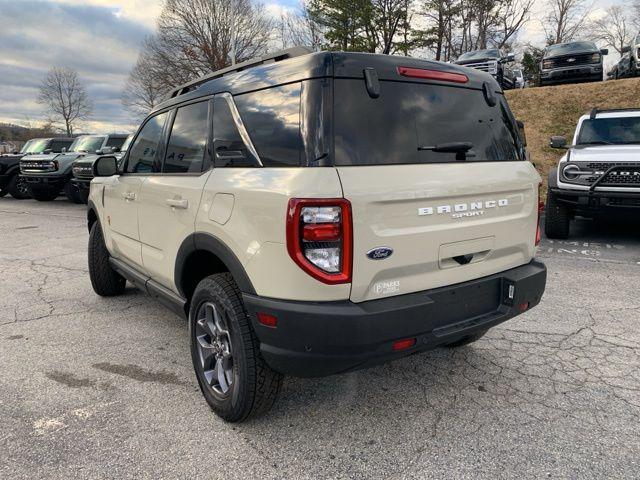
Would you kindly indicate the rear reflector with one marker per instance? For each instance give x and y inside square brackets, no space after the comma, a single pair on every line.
[523,307]
[321,232]
[267,320]
[433,74]
[403,344]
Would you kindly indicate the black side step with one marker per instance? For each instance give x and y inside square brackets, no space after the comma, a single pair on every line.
[169,299]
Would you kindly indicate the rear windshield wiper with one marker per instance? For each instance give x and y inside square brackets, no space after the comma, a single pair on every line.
[461,149]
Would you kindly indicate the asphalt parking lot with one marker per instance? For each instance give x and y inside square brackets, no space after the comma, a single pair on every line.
[104,388]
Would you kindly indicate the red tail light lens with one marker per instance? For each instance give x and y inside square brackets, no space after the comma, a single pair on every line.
[319,238]
[400,345]
[433,74]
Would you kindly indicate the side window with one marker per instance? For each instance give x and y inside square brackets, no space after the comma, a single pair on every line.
[188,139]
[57,146]
[115,142]
[229,148]
[143,151]
[272,118]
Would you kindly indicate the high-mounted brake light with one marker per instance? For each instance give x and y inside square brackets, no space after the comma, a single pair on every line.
[319,238]
[433,74]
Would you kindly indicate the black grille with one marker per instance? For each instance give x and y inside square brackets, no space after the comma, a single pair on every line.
[558,62]
[627,175]
[624,202]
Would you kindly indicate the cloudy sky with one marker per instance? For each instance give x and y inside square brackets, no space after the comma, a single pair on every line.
[101,40]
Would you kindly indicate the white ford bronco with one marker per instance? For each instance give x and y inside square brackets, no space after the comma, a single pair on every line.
[599,176]
[315,213]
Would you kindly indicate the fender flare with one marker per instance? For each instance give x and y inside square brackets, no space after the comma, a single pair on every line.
[207,242]
[92,214]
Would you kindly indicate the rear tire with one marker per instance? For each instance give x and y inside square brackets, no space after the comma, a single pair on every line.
[18,188]
[557,218]
[43,195]
[71,192]
[105,281]
[234,378]
[466,340]
[3,192]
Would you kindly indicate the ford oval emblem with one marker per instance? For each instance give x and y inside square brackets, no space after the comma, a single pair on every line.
[379,253]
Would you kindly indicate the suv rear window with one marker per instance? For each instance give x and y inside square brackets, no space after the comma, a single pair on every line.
[389,130]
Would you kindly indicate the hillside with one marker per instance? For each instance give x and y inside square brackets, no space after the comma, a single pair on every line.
[548,111]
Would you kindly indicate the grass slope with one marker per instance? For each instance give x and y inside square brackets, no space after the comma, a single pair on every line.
[548,111]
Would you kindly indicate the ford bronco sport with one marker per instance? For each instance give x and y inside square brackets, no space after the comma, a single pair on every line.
[48,174]
[315,213]
[10,179]
[600,173]
[83,169]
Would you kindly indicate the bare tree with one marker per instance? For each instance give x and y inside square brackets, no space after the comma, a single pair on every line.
[143,90]
[65,97]
[299,29]
[613,28]
[511,16]
[566,19]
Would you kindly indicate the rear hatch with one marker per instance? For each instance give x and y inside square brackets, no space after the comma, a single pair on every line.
[448,217]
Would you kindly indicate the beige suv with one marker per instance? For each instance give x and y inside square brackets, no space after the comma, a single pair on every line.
[315,213]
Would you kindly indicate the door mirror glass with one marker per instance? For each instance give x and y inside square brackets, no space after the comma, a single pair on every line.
[105,166]
[604,51]
[558,141]
[523,135]
[509,58]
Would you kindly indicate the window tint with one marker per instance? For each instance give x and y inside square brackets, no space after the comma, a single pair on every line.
[188,139]
[272,118]
[115,142]
[229,148]
[57,145]
[407,116]
[143,151]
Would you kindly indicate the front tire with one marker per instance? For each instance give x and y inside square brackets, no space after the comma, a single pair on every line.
[71,192]
[18,187]
[557,218]
[234,378]
[105,281]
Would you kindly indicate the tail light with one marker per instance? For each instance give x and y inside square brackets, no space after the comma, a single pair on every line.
[319,238]
[540,209]
[433,74]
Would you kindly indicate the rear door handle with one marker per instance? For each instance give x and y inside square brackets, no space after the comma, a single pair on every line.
[177,202]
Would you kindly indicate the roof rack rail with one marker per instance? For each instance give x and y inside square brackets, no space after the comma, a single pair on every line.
[596,110]
[270,58]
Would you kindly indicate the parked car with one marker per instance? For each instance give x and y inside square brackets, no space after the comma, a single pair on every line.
[492,61]
[83,168]
[623,67]
[10,180]
[300,239]
[634,56]
[48,174]
[572,62]
[518,77]
[599,176]
[612,74]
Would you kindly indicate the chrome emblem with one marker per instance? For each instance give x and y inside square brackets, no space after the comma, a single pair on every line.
[570,60]
[379,253]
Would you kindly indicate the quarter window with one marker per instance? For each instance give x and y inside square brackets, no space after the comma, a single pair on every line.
[229,147]
[188,139]
[272,118]
[115,142]
[142,156]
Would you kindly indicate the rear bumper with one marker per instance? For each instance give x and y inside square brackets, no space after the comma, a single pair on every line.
[323,338]
[582,201]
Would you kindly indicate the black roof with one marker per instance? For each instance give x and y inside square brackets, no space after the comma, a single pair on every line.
[316,65]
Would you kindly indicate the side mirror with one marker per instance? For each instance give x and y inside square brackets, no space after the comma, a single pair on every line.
[604,51]
[509,58]
[106,166]
[558,141]
[523,135]
[47,151]
[64,150]
[624,50]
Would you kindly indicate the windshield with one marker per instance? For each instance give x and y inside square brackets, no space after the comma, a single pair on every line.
[25,147]
[37,146]
[480,54]
[420,123]
[569,48]
[605,131]
[127,142]
[86,143]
